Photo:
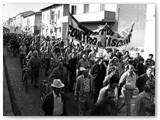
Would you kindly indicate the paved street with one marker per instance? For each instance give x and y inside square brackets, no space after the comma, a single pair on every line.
[29,103]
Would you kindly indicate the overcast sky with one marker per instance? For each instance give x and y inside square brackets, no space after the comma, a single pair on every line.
[12,9]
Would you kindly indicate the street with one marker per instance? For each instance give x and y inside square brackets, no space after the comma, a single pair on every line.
[29,103]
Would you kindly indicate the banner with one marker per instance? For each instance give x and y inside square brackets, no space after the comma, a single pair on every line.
[103,37]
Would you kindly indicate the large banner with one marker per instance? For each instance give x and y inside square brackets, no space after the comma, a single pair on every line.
[103,37]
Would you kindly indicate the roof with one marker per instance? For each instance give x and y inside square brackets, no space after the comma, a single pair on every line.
[5,29]
[24,14]
[49,7]
[34,13]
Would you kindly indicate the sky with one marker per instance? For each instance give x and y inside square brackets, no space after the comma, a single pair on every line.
[12,9]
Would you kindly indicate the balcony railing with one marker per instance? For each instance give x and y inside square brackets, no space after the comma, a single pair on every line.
[94,16]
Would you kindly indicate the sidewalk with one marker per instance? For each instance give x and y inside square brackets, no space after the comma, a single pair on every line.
[7,107]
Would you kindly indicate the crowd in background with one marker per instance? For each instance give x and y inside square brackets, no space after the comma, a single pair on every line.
[94,79]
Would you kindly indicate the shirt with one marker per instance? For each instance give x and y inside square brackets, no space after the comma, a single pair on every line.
[130,80]
[58,105]
[86,83]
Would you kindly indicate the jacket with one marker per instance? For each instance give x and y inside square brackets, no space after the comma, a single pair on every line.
[48,105]
[79,89]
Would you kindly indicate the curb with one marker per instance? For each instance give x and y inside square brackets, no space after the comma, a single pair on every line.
[14,104]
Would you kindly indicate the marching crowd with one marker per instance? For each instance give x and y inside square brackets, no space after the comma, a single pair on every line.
[96,82]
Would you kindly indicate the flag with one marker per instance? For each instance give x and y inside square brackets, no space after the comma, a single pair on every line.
[126,31]
[103,37]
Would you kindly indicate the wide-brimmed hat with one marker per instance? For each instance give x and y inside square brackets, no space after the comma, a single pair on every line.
[57,83]
[82,69]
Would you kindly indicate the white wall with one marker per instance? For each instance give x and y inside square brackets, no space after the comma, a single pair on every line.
[149,45]
[95,7]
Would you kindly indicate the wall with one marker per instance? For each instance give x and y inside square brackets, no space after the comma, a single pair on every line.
[45,22]
[38,18]
[137,13]
[149,45]
[95,7]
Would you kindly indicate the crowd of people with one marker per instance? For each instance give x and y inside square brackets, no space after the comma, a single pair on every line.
[96,81]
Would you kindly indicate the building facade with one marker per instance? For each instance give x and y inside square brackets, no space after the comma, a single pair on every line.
[51,20]
[32,24]
[93,15]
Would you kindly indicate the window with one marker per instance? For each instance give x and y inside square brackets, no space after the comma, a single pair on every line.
[58,14]
[86,8]
[102,7]
[73,9]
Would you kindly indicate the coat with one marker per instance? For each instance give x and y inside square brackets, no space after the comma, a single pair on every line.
[141,81]
[48,105]
[104,108]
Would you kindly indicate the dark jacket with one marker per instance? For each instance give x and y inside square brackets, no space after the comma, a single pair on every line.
[141,81]
[98,72]
[104,108]
[48,105]
[141,69]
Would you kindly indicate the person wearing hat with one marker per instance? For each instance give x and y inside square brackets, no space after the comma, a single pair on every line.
[84,91]
[54,103]
[35,64]
[144,104]
[128,84]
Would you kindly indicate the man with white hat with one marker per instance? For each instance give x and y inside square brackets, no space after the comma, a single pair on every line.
[54,103]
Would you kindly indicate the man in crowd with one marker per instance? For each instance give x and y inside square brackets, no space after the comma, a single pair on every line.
[83,63]
[72,62]
[60,72]
[140,67]
[47,58]
[98,71]
[149,62]
[91,57]
[54,103]
[136,60]
[22,51]
[35,64]
[119,63]
[106,106]
[145,104]
[141,81]
[128,83]
[84,90]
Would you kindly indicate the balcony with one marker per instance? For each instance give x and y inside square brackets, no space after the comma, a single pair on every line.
[107,16]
